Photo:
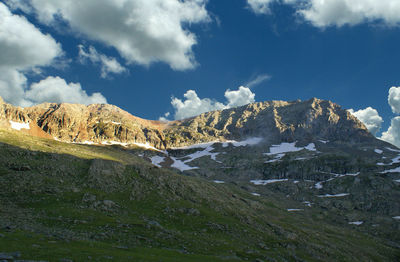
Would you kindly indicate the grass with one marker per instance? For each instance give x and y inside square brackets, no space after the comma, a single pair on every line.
[158,215]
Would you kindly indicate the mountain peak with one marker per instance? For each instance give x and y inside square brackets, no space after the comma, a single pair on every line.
[274,121]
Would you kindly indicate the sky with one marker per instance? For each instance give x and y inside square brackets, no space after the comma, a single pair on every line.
[172,59]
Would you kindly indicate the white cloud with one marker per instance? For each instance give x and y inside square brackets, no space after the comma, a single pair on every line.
[258,80]
[260,6]
[23,47]
[370,117]
[394,99]
[56,90]
[12,86]
[107,64]
[324,13]
[242,96]
[143,31]
[193,105]
[392,135]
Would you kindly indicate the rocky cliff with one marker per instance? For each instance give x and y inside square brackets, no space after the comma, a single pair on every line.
[273,121]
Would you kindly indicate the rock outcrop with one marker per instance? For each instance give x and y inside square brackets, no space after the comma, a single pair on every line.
[274,121]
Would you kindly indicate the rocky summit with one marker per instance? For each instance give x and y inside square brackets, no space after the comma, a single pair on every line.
[268,181]
[273,121]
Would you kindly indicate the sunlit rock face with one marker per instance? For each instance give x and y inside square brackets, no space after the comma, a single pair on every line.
[274,121]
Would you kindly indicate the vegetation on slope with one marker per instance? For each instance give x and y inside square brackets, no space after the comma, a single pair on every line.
[67,201]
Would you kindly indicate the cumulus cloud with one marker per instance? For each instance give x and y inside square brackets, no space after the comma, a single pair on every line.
[56,90]
[23,48]
[392,135]
[370,117]
[192,105]
[108,64]
[351,12]
[142,31]
[242,96]
[338,12]
[394,99]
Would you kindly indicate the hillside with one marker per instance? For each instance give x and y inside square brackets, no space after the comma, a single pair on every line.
[270,181]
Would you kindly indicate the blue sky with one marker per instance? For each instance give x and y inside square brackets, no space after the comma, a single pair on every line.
[144,55]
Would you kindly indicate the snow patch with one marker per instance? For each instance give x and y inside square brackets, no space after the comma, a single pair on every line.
[265,182]
[396,217]
[394,170]
[278,157]
[323,141]
[19,126]
[219,182]
[310,147]
[114,143]
[288,147]
[179,164]
[248,142]
[157,160]
[255,194]
[148,146]
[398,180]
[294,209]
[200,145]
[337,195]
[308,203]
[318,185]
[378,151]
[393,150]
[357,223]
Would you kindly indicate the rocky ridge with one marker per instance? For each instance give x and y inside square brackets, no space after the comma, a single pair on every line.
[273,121]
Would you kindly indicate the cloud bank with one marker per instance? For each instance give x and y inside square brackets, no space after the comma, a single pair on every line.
[142,31]
[25,49]
[56,90]
[325,13]
[192,105]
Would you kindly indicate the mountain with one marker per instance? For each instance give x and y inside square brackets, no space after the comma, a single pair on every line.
[269,181]
[274,121]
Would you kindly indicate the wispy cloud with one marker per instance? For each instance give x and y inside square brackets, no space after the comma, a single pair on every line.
[258,80]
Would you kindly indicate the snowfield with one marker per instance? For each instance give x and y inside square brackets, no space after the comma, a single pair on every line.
[278,151]
[248,142]
[19,126]
[157,160]
[288,147]
[179,164]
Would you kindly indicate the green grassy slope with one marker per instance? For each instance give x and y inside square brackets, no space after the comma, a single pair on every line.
[79,202]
